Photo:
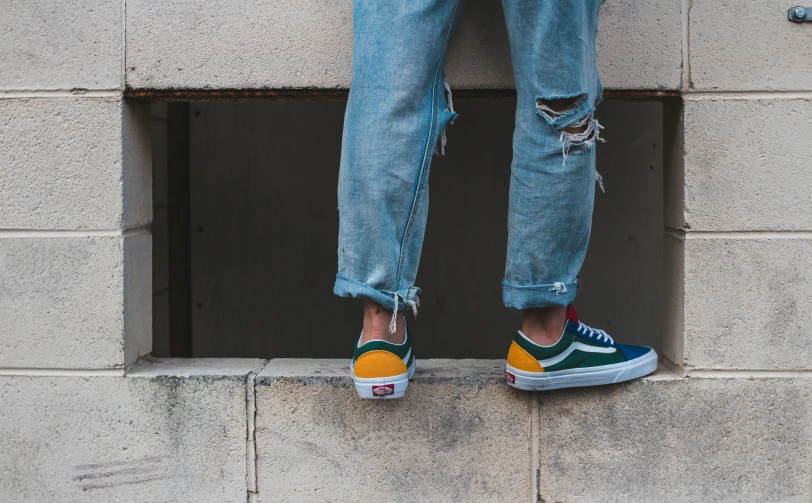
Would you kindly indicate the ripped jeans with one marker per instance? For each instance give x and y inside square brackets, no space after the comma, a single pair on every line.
[398,108]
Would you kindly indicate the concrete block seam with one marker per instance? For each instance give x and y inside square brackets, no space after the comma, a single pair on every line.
[123,53]
[61,93]
[686,44]
[692,372]
[56,372]
[687,234]
[750,374]
[250,440]
[535,447]
[697,95]
[56,234]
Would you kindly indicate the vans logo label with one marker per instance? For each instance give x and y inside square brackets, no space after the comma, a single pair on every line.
[383,389]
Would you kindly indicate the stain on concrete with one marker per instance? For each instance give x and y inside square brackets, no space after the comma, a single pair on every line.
[119,473]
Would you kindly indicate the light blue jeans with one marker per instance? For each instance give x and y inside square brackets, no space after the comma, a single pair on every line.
[399,106]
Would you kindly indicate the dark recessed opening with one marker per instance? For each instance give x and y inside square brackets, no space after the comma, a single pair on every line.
[245,231]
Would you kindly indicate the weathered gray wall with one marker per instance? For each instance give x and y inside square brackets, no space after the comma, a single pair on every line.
[76,277]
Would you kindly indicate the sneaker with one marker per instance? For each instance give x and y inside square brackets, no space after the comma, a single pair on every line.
[583,356]
[381,369]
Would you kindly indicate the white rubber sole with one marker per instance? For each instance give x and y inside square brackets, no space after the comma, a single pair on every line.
[383,388]
[573,378]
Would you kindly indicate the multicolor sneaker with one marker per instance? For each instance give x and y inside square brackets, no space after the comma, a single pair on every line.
[381,369]
[583,356]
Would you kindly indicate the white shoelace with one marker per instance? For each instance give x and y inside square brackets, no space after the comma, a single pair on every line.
[598,334]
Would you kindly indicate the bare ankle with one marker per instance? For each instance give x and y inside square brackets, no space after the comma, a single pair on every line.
[376,324]
[544,325]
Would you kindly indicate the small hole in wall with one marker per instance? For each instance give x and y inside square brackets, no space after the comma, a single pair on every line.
[245,231]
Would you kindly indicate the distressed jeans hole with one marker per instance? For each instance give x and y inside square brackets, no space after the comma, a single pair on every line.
[555,108]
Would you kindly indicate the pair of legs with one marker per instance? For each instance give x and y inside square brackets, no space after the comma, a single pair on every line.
[399,106]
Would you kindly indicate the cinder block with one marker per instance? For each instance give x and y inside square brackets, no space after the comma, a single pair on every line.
[673,323]
[75,302]
[74,163]
[747,164]
[60,45]
[670,439]
[746,303]
[137,295]
[173,433]
[640,44]
[308,44]
[674,163]
[459,435]
[284,43]
[748,46]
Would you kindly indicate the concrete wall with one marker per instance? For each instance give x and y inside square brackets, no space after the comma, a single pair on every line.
[730,421]
[287,43]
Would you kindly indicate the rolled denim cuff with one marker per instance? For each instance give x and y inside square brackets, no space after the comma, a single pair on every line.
[530,296]
[347,287]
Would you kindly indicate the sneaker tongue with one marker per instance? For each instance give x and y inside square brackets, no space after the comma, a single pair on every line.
[571,315]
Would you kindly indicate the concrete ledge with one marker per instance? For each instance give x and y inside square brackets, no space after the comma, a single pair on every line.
[459,435]
[196,367]
[184,430]
[306,370]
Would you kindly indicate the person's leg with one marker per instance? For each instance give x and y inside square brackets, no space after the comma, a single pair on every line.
[553,172]
[396,113]
[552,190]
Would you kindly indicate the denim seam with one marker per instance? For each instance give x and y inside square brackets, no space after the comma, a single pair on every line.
[346,278]
[427,150]
[543,285]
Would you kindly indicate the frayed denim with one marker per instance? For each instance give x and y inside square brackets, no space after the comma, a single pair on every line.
[398,109]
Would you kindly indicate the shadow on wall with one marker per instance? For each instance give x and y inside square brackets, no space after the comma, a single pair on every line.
[264,232]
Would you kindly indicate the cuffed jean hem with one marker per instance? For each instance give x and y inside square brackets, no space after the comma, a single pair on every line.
[530,296]
[347,287]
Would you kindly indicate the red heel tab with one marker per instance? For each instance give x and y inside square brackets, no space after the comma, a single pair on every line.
[571,314]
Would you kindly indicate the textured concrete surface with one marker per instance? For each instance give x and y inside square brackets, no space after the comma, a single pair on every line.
[137,296]
[687,440]
[748,45]
[195,367]
[747,303]
[152,436]
[673,324]
[640,44]
[673,163]
[747,164]
[459,435]
[673,330]
[60,45]
[74,163]
[178,430]
[62,301]
[287,43]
